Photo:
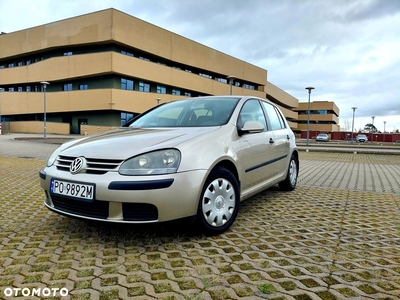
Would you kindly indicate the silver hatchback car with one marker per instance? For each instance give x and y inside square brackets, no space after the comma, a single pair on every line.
[197,157]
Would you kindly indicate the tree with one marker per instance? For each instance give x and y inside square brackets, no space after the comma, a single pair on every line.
[370,127]
[347,125]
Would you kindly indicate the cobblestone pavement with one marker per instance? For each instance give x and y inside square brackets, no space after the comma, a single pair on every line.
[337,236]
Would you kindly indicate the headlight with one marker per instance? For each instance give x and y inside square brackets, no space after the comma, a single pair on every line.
[52,158]
[152,163]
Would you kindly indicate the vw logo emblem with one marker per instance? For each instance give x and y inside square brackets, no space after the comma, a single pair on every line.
[77,165]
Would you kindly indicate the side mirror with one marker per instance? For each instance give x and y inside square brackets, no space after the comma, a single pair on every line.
[251,127]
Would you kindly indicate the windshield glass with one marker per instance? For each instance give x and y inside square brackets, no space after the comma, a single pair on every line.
[194,112]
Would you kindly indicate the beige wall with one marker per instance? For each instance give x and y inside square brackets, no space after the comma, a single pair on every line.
[318,105]
[319,117]
[114,25]
[85,29]
[92,129]
[38,127]
[280,96]
[169,45]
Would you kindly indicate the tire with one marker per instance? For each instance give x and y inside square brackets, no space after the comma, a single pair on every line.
[289,184]
[219,202]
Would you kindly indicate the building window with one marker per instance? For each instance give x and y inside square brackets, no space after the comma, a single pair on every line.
[20,64]
[144,58]
[20,89]
[205,75]
[144,86]
[28,62]
[11,89]
[127,53]
[83,86]
[126,84]
[28,88]
[248,86]
[11,65]
[176,92]
[188,94]
[67,87]
[223,80]
[68,53]
[125,117]
[161,89]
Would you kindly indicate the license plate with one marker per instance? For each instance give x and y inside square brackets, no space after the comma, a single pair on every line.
[72,189]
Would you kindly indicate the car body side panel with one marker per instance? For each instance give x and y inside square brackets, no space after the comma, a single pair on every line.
[256,155]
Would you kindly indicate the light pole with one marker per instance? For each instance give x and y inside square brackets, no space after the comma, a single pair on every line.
[231,78]
[384,130]
[372,128]
[310,88]
[44,84]
[352,126]
[1,89]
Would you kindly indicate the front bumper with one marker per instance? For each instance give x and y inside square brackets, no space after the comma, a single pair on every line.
[128,199]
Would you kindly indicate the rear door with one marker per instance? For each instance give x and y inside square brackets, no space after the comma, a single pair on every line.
[281,134]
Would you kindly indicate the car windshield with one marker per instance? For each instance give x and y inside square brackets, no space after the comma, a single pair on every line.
[194,112]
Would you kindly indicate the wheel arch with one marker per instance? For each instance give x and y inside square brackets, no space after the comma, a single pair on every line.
[230,166]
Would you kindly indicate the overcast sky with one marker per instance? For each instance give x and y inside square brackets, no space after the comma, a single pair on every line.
[349,50]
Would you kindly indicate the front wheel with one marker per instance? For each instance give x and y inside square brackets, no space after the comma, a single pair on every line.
[219,202]
[290,181]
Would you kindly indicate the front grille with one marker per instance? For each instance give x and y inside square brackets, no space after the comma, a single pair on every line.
[139,212]
[94,165]
[95,209]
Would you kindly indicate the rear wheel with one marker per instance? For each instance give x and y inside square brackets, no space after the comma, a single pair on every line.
[290,181]
[219,202]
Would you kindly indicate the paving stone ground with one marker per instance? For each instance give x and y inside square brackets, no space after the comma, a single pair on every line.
[337,236]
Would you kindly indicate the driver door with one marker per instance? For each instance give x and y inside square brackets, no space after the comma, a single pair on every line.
[257,149]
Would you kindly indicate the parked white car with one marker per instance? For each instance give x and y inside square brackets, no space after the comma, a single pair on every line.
[322,137]
[362,138]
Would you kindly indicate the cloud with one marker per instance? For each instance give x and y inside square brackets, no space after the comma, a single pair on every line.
[348,50]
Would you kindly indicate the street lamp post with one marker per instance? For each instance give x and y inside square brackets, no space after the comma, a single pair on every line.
[308,114]
[372,128]
[231,78]
[384,130]
[1,89]
[352,126]
[44,84]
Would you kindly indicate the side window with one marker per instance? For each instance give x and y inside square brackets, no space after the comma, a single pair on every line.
[274,117]
[252,111]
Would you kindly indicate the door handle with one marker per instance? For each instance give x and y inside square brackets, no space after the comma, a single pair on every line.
[288,137]
[271,141]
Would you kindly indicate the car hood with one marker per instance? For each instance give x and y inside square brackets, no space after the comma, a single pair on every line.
[127,142]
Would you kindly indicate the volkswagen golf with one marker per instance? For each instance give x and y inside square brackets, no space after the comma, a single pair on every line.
[196,158]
